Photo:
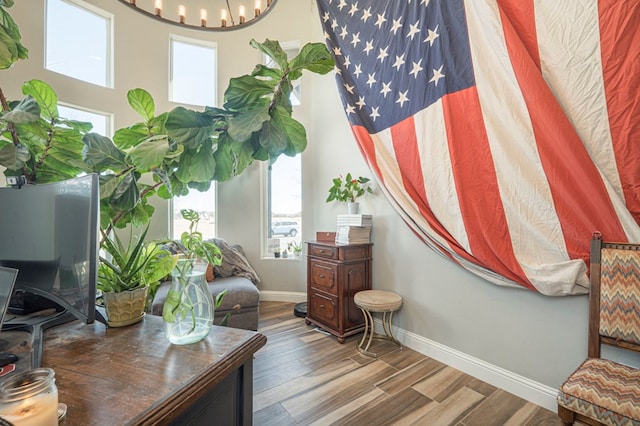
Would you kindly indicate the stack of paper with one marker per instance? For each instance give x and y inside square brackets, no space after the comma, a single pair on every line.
[354,228]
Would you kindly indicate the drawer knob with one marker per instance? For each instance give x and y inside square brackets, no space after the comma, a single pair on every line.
[321,275]
[321,251]
[322,306]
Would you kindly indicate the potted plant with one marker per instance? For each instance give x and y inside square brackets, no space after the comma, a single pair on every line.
[348,190]
[178,150]
[126,272]
[189,309]
[295,248]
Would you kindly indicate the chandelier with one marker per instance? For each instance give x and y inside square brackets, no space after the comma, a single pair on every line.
[202,19]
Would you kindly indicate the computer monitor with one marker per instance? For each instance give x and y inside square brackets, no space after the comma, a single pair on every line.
[49,233]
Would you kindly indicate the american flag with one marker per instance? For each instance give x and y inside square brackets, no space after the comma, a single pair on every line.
[505,132]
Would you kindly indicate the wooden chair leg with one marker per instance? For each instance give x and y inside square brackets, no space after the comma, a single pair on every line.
[566,416]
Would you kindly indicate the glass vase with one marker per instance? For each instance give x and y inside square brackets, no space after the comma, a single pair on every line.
[188,309]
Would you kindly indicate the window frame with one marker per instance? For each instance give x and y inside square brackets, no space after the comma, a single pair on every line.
[196,42]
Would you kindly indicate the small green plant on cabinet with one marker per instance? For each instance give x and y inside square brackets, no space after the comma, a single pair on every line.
[348,189]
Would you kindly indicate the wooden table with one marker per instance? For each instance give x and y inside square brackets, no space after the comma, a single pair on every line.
[133,375]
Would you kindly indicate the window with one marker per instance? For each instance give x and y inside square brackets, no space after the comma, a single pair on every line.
[78,41]
[284,210]
[284,187]
[193,82]
[202,202]
[193,72]
[101,121]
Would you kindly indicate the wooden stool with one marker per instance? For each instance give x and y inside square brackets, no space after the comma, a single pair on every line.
[370,301]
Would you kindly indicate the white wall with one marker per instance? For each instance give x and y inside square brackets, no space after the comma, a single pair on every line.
[538,337]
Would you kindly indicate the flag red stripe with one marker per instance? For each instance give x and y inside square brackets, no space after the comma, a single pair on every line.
[580,198]
[521,14]
[477,186]
[368,149]
[620,53]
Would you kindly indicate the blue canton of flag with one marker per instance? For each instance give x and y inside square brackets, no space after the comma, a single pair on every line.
[394,58]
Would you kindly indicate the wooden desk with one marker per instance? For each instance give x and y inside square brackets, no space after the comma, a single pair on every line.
[133,375]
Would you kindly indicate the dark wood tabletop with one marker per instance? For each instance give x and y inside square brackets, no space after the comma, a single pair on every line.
[133,375]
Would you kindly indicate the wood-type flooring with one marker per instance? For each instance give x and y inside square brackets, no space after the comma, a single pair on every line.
[305,377]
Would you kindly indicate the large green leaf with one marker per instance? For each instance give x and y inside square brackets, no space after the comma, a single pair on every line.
[244,124]
[295,131]
[108,184]
[13,157]
[273,138]
[225,163]
[271,73]
[142,103]
[314,57]
[188,127]
[126,194]
[102,154]
[44,96]
[150,153]
[128,137]
[247,91]
[27,111]
[273,50]
[11,48]
[197,165]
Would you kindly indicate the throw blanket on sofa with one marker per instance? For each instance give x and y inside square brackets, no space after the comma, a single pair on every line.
[234,263]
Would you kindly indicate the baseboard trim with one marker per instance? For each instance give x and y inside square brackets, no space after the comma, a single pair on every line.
[283,296]
[525,388]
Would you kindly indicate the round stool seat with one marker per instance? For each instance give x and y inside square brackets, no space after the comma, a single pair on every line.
[378,300]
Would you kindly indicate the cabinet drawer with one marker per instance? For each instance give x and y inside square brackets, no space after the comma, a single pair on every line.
[323,308]
[323,251]
[324,276]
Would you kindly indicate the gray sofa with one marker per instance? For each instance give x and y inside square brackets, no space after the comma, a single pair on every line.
[236,275]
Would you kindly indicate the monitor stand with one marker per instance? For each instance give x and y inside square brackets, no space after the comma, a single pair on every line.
[37,328]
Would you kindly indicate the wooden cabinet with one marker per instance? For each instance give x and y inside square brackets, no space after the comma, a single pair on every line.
[335,273]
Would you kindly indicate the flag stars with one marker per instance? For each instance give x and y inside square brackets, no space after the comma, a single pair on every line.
[349,88]
[416,69]
[413,30]
[366,14]
[399,62]
[355,40]
[381,20]
[437,75]
[396,25]
[368,47]
[374,113]
[354,9]
[386,88]
[383,54]
[350,109]
[347,62]
[342,4]
[361,102]
[402,98]
[433,35]
[334,24]
[337,51]
[371,80]
[325,17]
[357,71]
[344,32]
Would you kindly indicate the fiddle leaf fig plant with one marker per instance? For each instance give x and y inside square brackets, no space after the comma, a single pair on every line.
[166,153]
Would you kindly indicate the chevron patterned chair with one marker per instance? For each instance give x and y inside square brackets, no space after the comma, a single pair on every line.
[601,391]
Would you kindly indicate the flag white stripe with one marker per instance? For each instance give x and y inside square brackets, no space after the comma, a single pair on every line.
[438,178]
[521,177]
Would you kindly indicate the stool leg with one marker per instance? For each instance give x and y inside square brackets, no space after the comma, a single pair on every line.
[366,328]
[371,331]
[386,322]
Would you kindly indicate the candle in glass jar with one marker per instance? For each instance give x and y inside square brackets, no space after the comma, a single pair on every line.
[41,410]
